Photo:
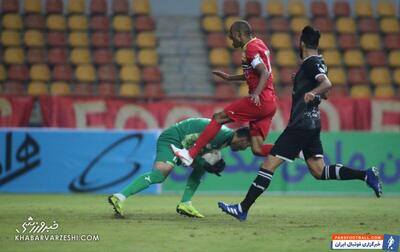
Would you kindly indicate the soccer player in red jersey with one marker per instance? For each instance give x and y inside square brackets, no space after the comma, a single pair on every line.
[257,109]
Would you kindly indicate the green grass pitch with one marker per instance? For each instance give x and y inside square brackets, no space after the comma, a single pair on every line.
[276,223]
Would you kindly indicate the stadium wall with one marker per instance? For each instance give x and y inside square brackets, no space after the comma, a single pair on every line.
[79,161]
[337,114]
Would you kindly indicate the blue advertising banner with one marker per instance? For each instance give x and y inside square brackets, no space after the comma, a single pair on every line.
[102,161]
[55,161]
[358,150]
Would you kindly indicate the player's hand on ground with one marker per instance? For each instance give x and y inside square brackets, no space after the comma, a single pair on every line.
[255,98]
[308,97]
[221,74]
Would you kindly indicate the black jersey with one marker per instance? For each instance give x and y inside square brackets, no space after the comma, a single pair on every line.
[302,115]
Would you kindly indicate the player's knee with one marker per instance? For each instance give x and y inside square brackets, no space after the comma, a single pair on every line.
[216,116]
[155,176]
[316,173]
[267,167]
[160,179]
[257,151]
[220,117]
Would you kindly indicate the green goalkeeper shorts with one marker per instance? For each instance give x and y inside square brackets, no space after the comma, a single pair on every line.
[164,152]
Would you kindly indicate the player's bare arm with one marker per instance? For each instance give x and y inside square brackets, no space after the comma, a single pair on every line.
[324,86]
[325,95]
[229,77]
[264,75]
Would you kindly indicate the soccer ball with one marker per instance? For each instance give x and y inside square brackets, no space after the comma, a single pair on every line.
[212,157]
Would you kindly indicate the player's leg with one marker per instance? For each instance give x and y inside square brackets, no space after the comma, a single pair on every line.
[192,184]
[158,174]
[319,170]
[286,148]
[259,185]
[163,165]
[313,153]
[261,182]
[185,207]
[212,129]
[259,148]
[259,131]
[340,172]
[242,110]
[209,132]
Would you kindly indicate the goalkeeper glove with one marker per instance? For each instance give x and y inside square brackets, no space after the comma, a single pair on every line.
[217,168]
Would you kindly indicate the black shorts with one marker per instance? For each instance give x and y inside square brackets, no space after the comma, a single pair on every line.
[292,141]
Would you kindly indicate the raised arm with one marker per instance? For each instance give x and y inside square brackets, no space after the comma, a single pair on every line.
[228,77]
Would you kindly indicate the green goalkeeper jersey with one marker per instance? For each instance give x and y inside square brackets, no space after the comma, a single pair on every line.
[185,133]
[189,131]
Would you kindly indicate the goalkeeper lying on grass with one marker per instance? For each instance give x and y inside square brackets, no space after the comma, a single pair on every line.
[183,135]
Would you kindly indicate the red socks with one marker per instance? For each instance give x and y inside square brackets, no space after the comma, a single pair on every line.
[265,149]
[205,137]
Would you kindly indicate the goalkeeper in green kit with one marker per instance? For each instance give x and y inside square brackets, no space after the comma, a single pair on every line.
[184,134]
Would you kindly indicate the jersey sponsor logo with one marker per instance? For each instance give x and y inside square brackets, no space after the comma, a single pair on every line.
[322,68]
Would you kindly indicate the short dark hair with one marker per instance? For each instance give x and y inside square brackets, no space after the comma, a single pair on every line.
[243,132]
[310,37]
[243,27]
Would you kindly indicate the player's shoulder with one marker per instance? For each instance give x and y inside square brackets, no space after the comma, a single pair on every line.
[194,120]
[315,65]
[314,60]
[256,44]
[200,120]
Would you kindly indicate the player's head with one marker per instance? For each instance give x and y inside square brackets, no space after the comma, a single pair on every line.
[240,32]
[309,39]
[241,139]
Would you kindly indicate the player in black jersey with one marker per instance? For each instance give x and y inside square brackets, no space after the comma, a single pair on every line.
[311,84]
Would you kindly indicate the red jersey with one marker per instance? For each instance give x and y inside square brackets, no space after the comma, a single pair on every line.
[256,52]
